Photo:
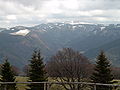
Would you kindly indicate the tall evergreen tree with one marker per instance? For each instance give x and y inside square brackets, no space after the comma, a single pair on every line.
[37,71]
[102,72]
[7,76]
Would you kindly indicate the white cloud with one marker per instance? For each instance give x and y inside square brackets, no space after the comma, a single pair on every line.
[29,12]
[101,19]
[11,17]
[70,4]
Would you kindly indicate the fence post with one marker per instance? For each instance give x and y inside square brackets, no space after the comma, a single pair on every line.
[94,86]
[5,88]
[45,86]
[48,86]
[113,87]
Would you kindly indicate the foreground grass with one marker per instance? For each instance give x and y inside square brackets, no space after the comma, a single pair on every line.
[21,79]
[25,79]
[53,87]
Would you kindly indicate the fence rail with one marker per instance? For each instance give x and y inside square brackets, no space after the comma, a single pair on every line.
[48,84]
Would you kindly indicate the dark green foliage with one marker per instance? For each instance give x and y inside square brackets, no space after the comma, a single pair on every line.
[102,72]
[7,76]
[37,71]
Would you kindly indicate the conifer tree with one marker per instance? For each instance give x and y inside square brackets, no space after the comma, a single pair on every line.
[37,71]
[7,76]
[102,72]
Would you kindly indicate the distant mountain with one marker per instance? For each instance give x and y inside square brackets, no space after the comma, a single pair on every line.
[112,50]
[18,43]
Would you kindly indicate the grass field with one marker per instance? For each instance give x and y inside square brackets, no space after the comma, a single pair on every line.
[53,87]
[25,79]
[21,79]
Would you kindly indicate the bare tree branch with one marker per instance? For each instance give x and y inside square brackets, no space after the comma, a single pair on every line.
[69,66]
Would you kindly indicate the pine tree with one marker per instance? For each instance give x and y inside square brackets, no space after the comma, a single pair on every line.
[102,72]
[37,71]
[7,76]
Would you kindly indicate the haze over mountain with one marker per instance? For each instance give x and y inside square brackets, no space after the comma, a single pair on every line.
[18,43]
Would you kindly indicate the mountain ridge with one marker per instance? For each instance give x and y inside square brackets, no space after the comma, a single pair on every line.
[19,42]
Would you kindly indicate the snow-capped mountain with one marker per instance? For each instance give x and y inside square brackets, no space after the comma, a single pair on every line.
[18,42]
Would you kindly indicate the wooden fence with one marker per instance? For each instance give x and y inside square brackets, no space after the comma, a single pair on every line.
[47,85]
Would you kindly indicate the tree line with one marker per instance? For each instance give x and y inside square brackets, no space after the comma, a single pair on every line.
[67,65]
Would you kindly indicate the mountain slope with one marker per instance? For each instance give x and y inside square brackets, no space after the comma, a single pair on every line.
[18,43]
[112,50]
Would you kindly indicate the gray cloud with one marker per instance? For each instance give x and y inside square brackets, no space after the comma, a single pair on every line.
[28,2]
[30,12]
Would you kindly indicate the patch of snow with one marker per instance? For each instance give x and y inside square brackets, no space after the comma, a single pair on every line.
[77,22]
[61,24]
[74,27]
[73,23]
[56,24]
[102,28]
[50,27]
[12,29]
[21,32]
[80,25]
[44,30]
[8,28]
[118,26]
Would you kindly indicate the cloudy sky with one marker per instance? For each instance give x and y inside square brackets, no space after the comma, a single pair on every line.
[32,12]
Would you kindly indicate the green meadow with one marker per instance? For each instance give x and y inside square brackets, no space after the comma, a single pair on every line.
[53,87]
